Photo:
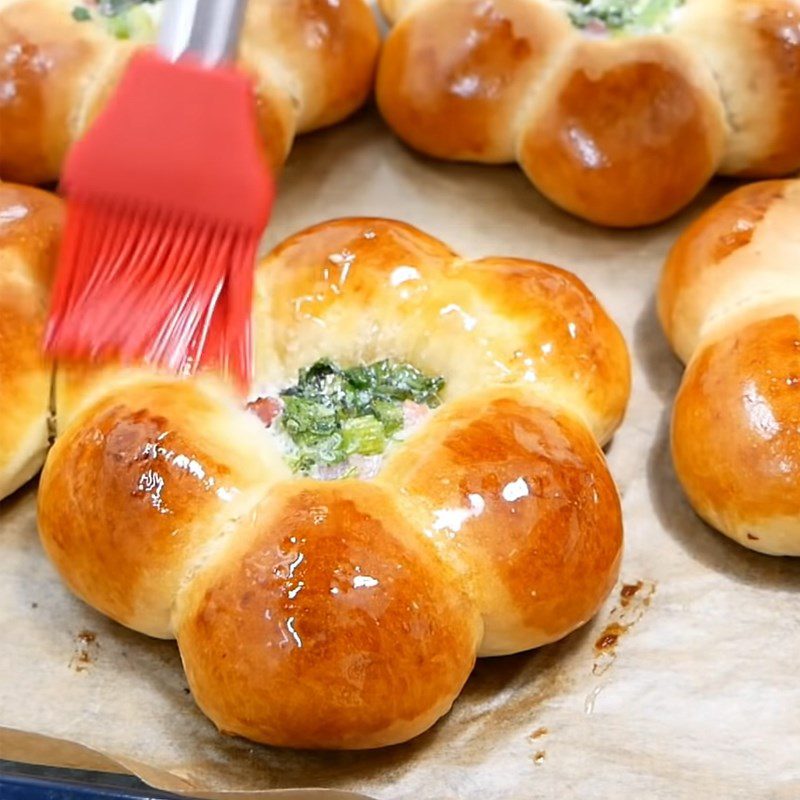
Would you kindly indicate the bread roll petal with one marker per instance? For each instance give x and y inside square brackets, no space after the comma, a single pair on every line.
[519,498]
[138,487]
[330,623]
[746,387]
[626,132]
[561,341]
[753,46]
[349,290]
[30,230]
[48,61]
[455,74]
[322,53]
[734,263]
[275,112]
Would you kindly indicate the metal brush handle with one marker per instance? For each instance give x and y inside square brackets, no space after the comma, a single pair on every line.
[208,29]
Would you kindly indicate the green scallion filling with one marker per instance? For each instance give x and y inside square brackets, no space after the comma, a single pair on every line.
[622,16]
[332,413]
[124,19]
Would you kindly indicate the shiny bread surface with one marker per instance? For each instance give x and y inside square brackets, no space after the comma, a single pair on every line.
[30,230]
[729,304]
[347,614]
[621,129]
[311,63]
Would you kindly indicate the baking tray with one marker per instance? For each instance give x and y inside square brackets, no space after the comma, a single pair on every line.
[30,782]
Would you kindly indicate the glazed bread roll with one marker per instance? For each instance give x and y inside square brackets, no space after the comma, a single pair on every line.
[30,229]
[331,574]
[311,61]
[728,306]
[619,113]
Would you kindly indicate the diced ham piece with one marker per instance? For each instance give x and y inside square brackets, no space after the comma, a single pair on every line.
[413,414]
[362,467]
[332,472]
[266,409]
[596,27]
[367,466]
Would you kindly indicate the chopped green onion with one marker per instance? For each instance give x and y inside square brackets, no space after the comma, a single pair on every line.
[622,15]
[390,414]
[363,435]
[303,417]
[118,26]
[332,413]
[123,19]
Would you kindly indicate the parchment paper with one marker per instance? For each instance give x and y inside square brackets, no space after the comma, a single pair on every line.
[699,697]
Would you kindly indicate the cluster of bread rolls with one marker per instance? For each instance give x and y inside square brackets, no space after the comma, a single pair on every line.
[727,305]
[312,62]
[622,129]
[348,613]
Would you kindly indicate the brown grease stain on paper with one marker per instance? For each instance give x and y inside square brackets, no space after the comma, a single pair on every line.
[609,637]
[539,756]
[634,600]
[86,651]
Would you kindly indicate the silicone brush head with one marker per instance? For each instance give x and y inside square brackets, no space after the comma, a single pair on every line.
[168,197]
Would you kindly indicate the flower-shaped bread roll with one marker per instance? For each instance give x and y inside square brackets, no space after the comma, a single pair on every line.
[416,480]
[311,61]
[728,307]
[619,112]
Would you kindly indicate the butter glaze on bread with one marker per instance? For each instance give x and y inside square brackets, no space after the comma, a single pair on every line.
[348,613]
[30,230]
[312,63]
[727,306]
[620,130]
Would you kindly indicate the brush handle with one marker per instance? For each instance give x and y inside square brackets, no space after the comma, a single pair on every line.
[206,29]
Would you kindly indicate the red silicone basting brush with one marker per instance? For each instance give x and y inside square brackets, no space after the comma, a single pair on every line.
[168,196]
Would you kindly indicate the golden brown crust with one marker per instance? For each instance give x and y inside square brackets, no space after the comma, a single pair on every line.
[134,490]
[30,229]
[392,9]
[741,393]
[326,53]
[623,131]
[727,303]
[342,614]
[47,60]
[777,26]
[77,386]
[626,133]
[522,499]
[275,111]
[753,47]
[333,603]
[388,290]
[312,65]
[736,259]
[451,81]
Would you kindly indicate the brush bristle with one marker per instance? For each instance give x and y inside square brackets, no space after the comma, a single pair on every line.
[168,196]
[142,285]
